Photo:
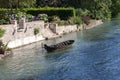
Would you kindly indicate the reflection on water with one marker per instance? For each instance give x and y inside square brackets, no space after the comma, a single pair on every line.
[93,56]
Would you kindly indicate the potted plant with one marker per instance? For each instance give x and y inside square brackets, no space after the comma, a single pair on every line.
[36,31]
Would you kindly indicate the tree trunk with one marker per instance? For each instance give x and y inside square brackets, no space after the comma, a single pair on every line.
[10,5]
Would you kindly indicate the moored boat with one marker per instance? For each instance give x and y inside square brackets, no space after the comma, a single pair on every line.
[58,46]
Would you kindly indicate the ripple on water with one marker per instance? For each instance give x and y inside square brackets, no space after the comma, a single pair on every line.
[94,56]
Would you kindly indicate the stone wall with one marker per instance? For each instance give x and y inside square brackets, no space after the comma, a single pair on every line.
[66,29]
[92,24]
[18,37]
[57,31]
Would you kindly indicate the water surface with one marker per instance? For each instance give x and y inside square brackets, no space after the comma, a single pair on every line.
[95,55]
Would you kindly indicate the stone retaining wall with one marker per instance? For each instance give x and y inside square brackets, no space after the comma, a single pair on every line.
[66,29]
[18,37]
[92,24]
[24,41]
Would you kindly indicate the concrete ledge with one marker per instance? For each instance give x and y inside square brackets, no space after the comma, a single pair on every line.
[24,41]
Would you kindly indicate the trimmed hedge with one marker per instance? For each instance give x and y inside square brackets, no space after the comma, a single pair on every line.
[63,13]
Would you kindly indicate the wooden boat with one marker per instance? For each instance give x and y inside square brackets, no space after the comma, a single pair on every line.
[58,46]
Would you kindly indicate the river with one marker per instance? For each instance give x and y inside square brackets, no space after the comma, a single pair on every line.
[95,55]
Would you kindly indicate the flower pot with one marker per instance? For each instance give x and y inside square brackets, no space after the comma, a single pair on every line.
[2,52]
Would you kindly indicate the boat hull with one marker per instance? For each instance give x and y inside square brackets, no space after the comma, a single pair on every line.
[59,46]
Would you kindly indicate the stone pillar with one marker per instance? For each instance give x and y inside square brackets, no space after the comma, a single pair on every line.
[52,27]
[13,22]
[22,23]
[42,26]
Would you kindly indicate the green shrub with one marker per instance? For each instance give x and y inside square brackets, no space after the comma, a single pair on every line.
[78,20]
[19,14]
[43,17]
[63,22]
[4,16]
[2,32]
[82,12]
[71,20]
[36,31]
[75,20]
[54,19]
[3,47]
[2,21]
[117,16]
[28,17]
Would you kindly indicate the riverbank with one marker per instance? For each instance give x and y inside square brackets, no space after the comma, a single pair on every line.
[93,23]
[61,30]
[22,38]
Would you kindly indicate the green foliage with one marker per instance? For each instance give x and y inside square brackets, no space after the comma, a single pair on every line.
[103,10]
[63,13]
[17,3]
[78,20]
[62,23]
[96,9]
[99,9]
[51,3]
[115,8]
[4,3]
[36,31]
[82,12]
[2,21]
[2,32]
[28,17]
[27,3]
[104,15]
[117,16]
[43,17]
[3,47]
[4,16]
[19,14]
[54,19]
[70,21]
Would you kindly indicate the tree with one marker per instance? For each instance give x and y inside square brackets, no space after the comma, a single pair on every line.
[51,3]
[115,8]
[17,3]
[99,9]
[103,9]
[26,3]
[5,3]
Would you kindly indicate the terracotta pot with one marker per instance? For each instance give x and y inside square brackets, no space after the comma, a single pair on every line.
[2,52]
